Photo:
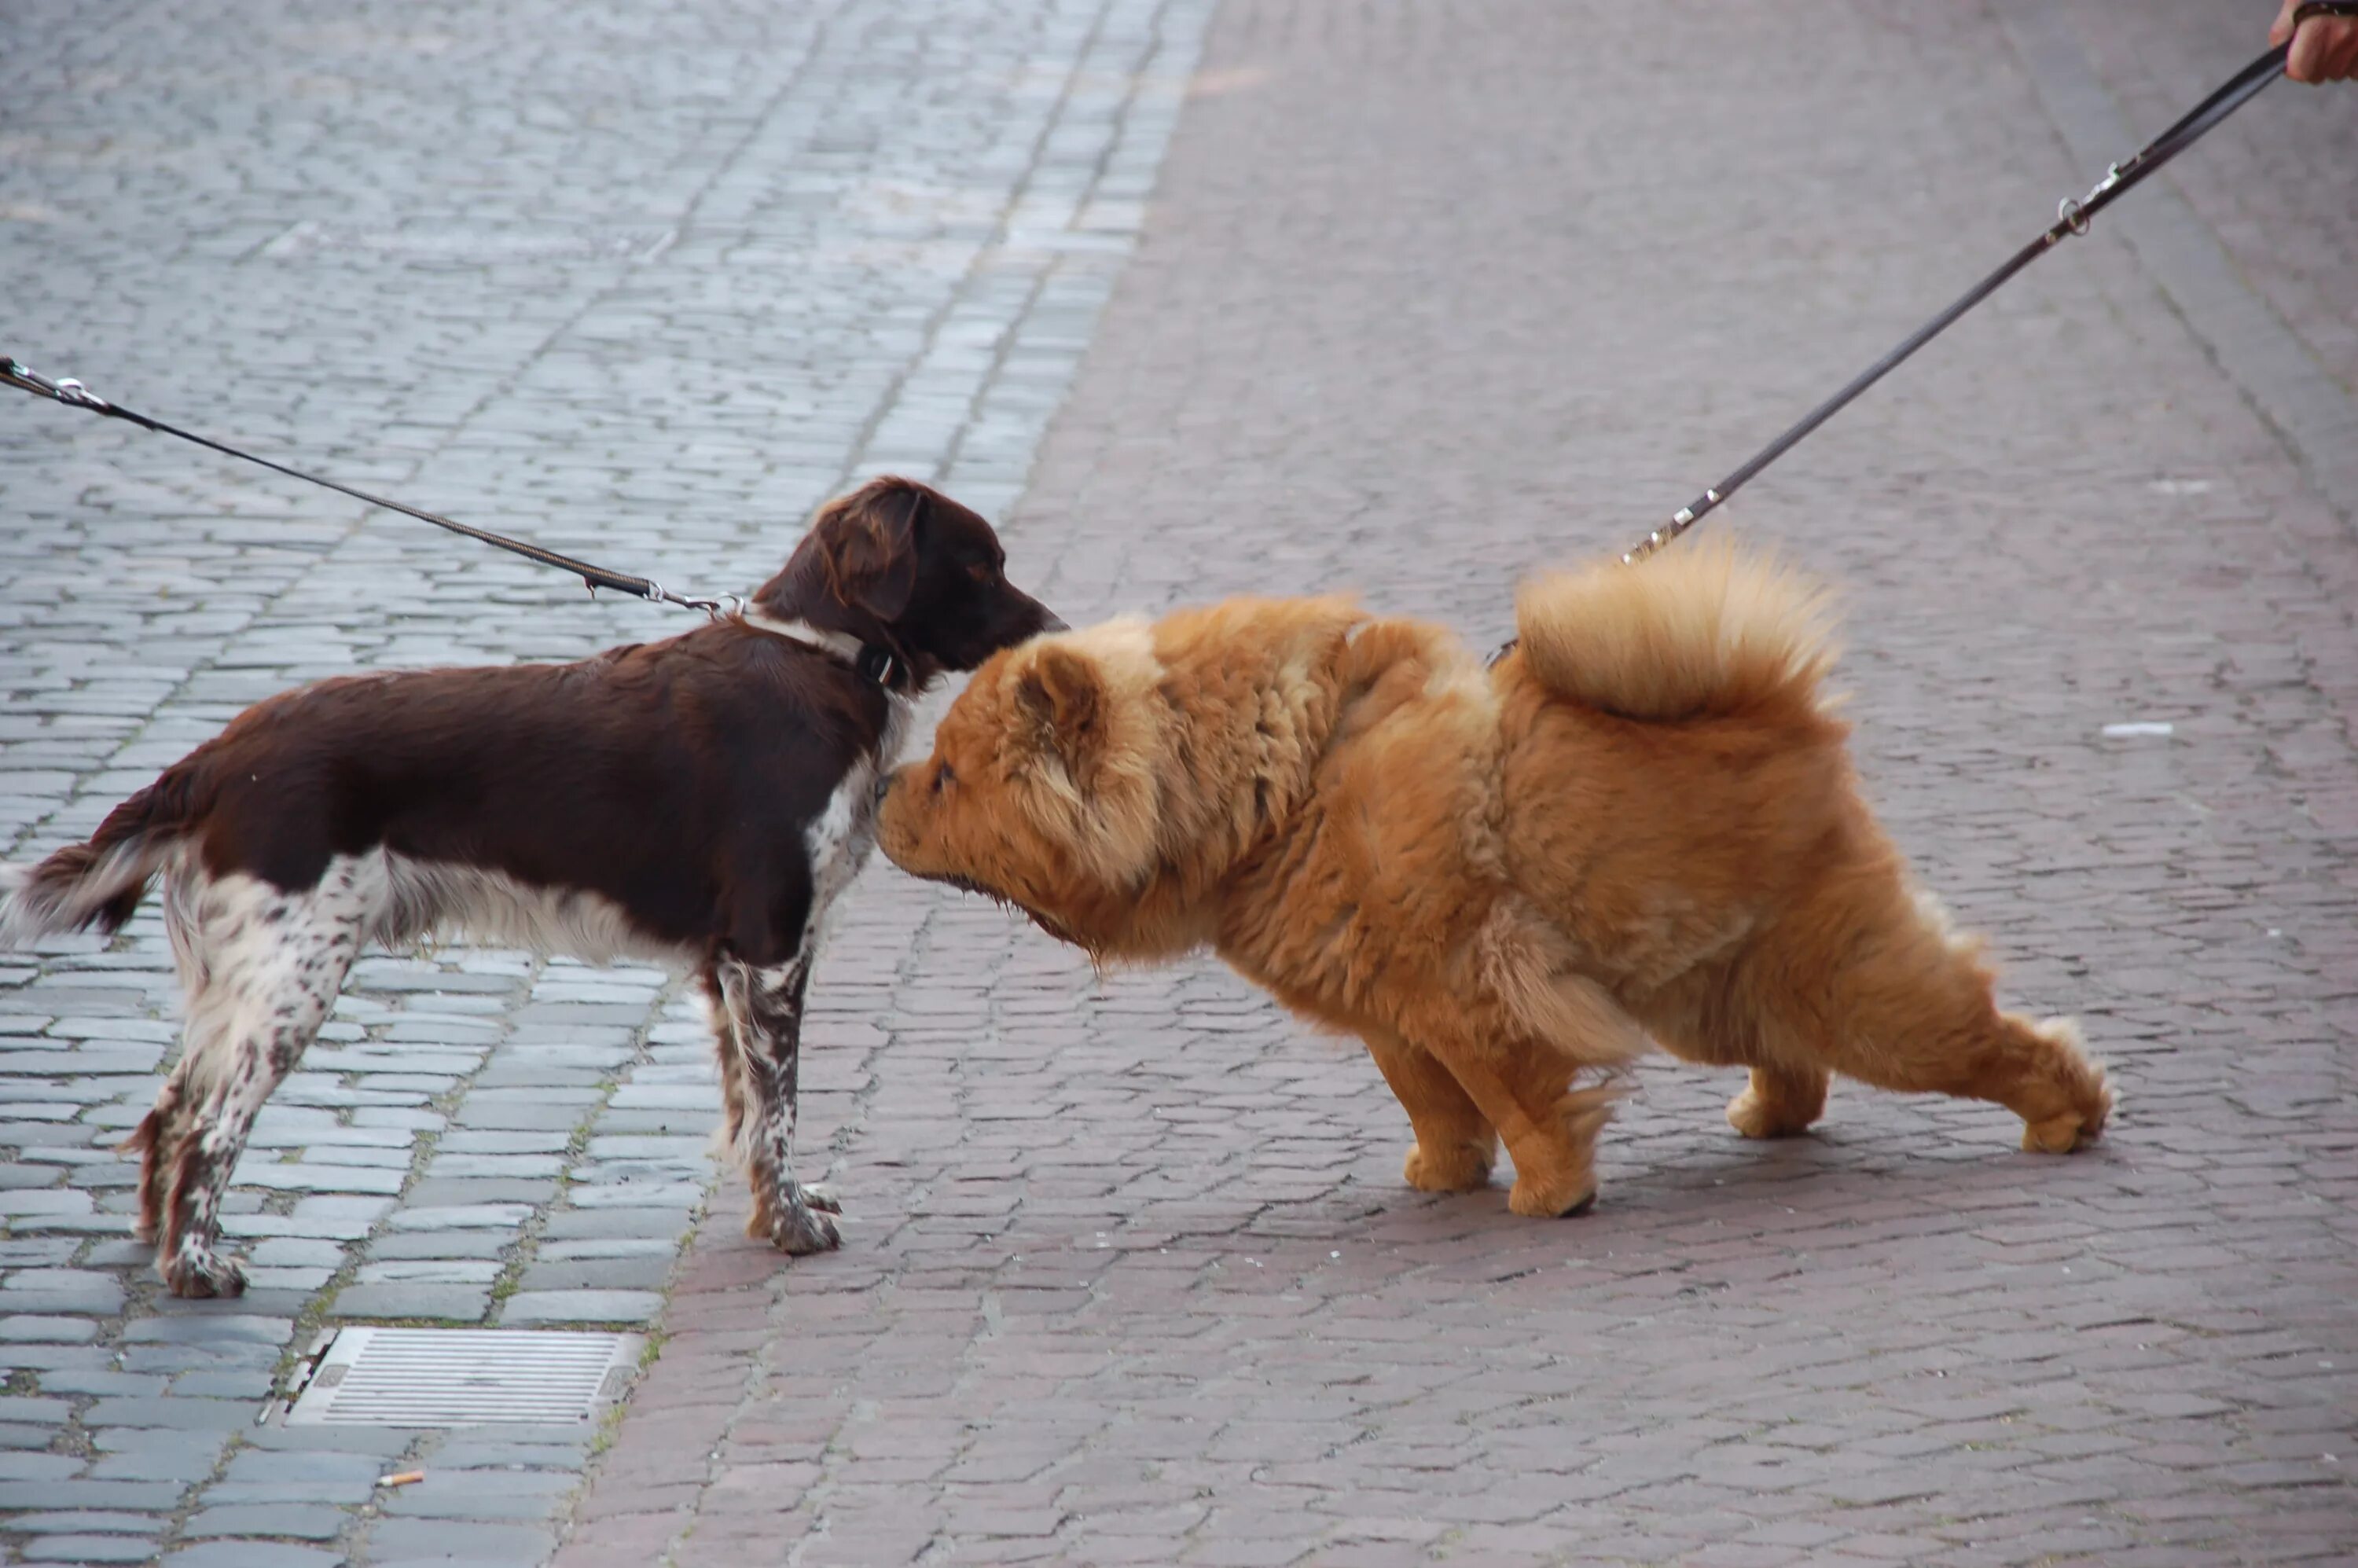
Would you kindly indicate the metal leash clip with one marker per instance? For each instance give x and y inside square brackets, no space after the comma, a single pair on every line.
[2069,210]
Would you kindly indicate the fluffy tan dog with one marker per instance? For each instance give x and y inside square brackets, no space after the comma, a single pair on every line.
[1642,822]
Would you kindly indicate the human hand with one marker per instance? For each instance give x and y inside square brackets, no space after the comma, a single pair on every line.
[2324,49]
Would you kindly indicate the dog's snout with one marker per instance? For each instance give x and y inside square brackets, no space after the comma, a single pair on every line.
[1052,622]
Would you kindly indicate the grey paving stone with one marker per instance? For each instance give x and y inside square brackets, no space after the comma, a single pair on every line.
[111,1496]
[187,1326]
[16,1409]
[67,1330]
[379,1440]
[505,1493]
[448,1193]
[290,1520]
[505,1217]
[451,1166]
[253,1554]
[431,1271]
[185,1463]
[80,1521]
[622,1222]
[468,1140]
[183,1412]
[456,1302]
[482,1449]
[88,1549]
[253,1383]
[638,1274]
[74,1380]
[441,1244]
[581,1306]
[289,1251]
[464,1540]
[178,1358]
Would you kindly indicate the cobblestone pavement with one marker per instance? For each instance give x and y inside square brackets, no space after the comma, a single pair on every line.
[1429,294]
[645,283]
[1426,295]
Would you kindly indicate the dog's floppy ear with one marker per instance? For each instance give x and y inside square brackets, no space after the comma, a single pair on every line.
[869,538]
[1063,705]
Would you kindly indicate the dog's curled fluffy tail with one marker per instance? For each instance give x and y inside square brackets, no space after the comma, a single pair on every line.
[98,883]
[1701,630]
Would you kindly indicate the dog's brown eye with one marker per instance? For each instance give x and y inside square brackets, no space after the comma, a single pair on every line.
[942,775]
[982,571]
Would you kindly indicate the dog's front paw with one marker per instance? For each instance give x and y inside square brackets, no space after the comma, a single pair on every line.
[802,1231]
[1552,1199]
[1457,1168]
[821,1197]
[200,1273]
[2060,1134]
[795,1222]
[1757,1116]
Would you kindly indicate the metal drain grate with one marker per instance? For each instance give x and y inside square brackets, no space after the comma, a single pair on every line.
[456,1376]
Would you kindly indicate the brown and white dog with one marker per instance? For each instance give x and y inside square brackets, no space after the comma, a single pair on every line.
[1642,822]
[699,802]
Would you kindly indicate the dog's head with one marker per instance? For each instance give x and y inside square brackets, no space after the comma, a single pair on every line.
[902,566]
[1108,782]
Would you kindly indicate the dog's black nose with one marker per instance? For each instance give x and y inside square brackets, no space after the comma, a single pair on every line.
[883,787]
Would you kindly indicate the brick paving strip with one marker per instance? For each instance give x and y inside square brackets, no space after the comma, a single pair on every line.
[1428,293]
[647,286]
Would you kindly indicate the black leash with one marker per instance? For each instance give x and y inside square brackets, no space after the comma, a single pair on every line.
[73,395]
[2072,217]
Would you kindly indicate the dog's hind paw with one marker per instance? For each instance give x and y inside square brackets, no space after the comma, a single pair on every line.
[199,1273]
[1461,1169]
[797,1229]
[1756,1117]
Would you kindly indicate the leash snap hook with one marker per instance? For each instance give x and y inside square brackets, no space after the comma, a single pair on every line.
[2071,212]
[719,609]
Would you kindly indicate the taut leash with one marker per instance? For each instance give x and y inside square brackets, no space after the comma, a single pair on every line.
[2072,217]
[73,395]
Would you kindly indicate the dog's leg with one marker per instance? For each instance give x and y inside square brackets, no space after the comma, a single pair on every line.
[729,1056]
[764,1007]
[1550,1127]
[1455,1144]
[1908,1007]
[1691,1021]
[1780,1102]
[271,963]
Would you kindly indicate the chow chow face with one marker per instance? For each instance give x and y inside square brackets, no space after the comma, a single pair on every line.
[1103,781]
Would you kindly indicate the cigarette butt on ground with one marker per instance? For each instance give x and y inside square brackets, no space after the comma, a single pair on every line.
[402,1478]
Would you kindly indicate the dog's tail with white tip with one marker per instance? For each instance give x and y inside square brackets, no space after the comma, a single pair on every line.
[1701,630]
[98,883]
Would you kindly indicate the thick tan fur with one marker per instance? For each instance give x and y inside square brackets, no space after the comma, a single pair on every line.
[1641,823]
